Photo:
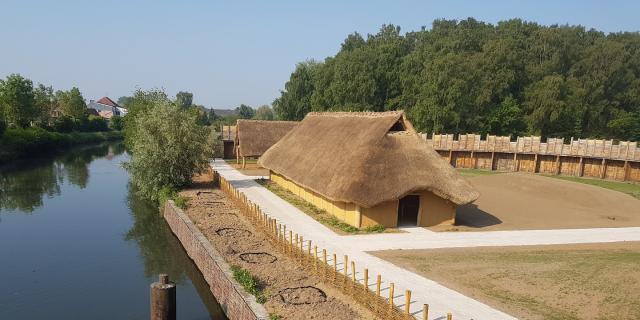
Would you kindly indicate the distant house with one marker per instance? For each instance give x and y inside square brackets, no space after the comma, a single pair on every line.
[107,108]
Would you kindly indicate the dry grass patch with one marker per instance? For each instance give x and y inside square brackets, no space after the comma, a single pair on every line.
[585,281]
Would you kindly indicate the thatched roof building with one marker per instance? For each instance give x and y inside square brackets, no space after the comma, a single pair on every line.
[373,167]
[254,137]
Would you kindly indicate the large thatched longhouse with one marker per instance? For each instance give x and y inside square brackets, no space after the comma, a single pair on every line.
[254,137]
[367,168]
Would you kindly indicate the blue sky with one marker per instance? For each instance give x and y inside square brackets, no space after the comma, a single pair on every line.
[228,53]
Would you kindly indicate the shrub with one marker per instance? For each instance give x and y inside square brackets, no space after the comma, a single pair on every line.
[168,147]
[3,127]
[116,123]
[248,282]
[63,124]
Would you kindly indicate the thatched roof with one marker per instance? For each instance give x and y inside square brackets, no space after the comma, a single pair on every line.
[254,137]
[364,158]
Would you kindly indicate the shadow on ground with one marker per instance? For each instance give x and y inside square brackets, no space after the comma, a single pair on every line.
[473,217]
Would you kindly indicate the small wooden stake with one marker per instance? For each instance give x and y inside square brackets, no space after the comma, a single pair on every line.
[366,278]
[324,256]
[309,249]
[407,302]
[335,264]
[353,271]
[425,312]
[391,295]
[449,316]
[346,264]
[378,281]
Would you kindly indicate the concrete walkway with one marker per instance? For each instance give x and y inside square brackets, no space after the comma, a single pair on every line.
[440,299]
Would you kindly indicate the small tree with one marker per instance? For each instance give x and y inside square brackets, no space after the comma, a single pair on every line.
[264,113]
[168,147]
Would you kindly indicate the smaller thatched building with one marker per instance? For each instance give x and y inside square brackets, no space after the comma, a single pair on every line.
[367,169]
[254,137]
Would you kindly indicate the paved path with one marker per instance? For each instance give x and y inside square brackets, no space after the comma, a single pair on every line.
[440,299]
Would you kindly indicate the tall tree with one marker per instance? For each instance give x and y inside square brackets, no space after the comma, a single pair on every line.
[264,112]
[184,100]
[72,103]
[17,101]
[46,102]
[245,112]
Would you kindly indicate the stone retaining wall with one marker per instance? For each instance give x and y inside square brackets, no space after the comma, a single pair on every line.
[234,300]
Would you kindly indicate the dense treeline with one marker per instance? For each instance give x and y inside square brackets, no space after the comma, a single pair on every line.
[512,78]
[24,105]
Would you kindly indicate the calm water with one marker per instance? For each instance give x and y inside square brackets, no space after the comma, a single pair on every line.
[76,243]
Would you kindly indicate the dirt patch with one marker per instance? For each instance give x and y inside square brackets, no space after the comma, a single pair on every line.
[277,278]
[258,257]
[233,232]
[580,281]
[302,295]
[520,201]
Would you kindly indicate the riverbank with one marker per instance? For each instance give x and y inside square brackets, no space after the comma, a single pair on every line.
[35,142]
[284,288]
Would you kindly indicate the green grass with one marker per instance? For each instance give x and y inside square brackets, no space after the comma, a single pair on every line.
[274,316]
[632,189]
[167,193]
[476,172]
[249,283]
[316,213]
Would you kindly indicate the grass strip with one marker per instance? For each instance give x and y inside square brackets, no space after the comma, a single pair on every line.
[316,213]
[248,282]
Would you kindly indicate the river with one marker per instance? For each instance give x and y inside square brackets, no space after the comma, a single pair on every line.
[76,242]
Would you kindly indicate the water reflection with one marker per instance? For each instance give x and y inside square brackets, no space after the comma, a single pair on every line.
[25,183]
[162,252]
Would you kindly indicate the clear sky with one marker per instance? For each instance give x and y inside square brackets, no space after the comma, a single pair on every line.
[232,52]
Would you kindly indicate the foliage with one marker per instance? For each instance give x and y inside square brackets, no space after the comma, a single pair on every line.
[29,142]
[512,78]
[72,103]
[264,112]
[141,102]
[124,101]
[248,282]
[3,127]
[17,101]
[168,147]
[45,102]
[116,123]
[167,193]
[245,111]
[184,100]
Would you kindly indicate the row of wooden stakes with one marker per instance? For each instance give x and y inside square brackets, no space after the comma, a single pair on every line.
[294,244]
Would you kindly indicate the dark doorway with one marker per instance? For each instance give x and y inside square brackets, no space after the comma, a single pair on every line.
[408,211]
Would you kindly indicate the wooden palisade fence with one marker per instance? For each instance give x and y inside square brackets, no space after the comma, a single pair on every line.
[314,260]
[602,159]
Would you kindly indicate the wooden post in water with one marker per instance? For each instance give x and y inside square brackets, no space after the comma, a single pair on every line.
[163,299]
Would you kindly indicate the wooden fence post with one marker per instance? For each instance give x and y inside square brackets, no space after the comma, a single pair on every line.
[353,271]
[366,279]
[391,295]
[378,281]
[449,316]
[425,312]
[163,299]
[407,302]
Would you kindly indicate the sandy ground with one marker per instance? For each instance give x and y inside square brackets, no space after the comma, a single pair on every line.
[290,292]
[583,281]
[520,201]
